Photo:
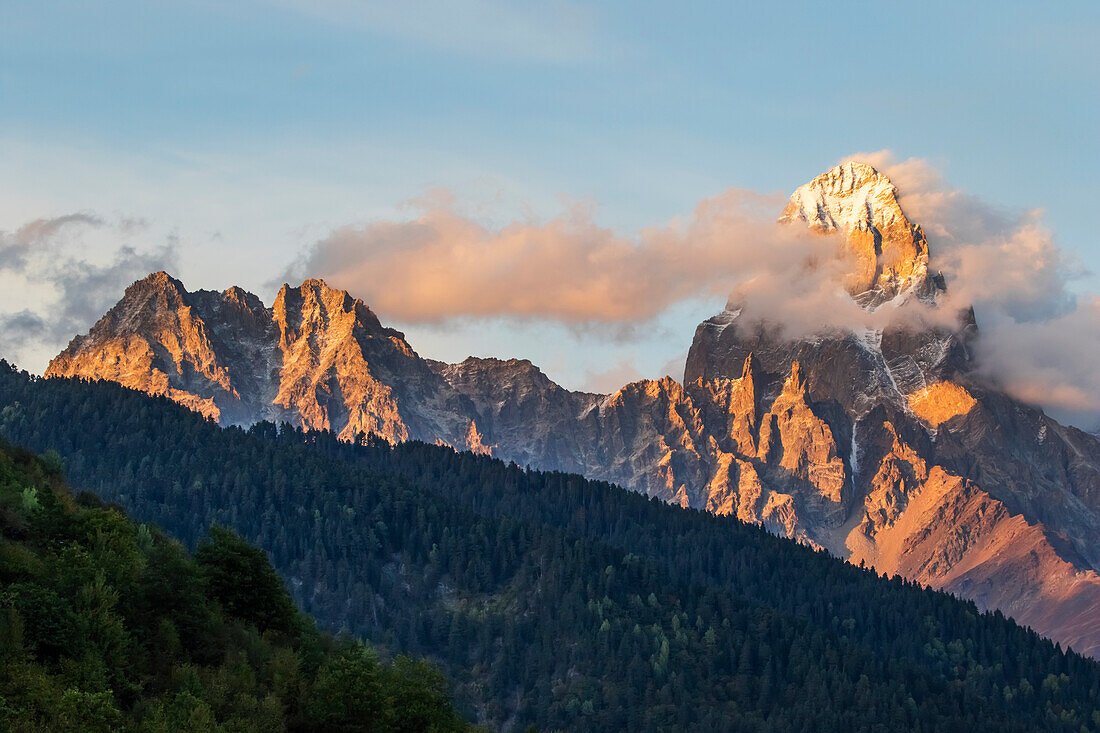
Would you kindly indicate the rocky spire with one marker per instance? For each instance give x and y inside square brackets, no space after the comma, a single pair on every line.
[748,371]
[795,386]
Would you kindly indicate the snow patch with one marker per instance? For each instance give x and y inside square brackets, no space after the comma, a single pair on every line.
[722,321]
[851,197]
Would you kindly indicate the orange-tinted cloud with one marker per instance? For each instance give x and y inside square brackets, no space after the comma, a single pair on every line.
[442,265]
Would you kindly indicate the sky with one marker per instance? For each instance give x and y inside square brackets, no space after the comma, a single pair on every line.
[240,143]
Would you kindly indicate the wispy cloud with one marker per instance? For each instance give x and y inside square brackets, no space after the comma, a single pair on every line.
[555,31]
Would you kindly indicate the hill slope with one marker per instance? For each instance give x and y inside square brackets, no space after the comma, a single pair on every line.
[558,601]
[109,625]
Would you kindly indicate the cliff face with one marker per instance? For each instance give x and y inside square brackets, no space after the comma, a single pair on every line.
[341,370]
[883,447]
[201,349]
[521,414]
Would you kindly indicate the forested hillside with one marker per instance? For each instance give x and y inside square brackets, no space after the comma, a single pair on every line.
[555,601]
[109,625]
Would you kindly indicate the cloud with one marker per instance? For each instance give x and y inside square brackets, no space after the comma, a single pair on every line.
[1039,338]
[555,31]
[18,330]
[675,366]
[60,290]
[609,381]
[1051,362]
[17,247]
[441,265]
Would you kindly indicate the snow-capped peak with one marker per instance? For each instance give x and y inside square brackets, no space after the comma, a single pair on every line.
[853,196]
[855,199]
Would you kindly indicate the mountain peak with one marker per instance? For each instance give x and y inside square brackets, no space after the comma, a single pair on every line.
[314,286]
[316,296]
[852,196]
[156,281]
[856,200]
[160,277]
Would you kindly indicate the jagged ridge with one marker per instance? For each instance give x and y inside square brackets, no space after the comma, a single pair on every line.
[318,358]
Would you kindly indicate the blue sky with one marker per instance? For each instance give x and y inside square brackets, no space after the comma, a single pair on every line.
[243,132]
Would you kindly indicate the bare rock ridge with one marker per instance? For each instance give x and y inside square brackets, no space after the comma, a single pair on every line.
[883,447]
[318,358]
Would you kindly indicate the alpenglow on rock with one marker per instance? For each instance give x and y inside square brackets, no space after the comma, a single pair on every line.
[318,358]
[889,251]
[884,447]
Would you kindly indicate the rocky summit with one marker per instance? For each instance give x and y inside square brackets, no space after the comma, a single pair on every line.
[890,253]
[884,447]
[317,358]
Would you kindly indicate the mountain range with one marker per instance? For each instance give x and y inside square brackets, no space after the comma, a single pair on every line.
[885,447]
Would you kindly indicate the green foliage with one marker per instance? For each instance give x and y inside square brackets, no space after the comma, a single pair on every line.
[108,626]
[549,600]
[242,580]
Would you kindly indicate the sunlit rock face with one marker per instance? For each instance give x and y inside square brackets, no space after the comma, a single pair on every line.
[341,370]
[318,359]
[884,447]
[196,348]
[890,253]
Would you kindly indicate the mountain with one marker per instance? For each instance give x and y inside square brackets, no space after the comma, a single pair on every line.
[884,447]
[108,625]
[946,480]
[552,601]
[317,357]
